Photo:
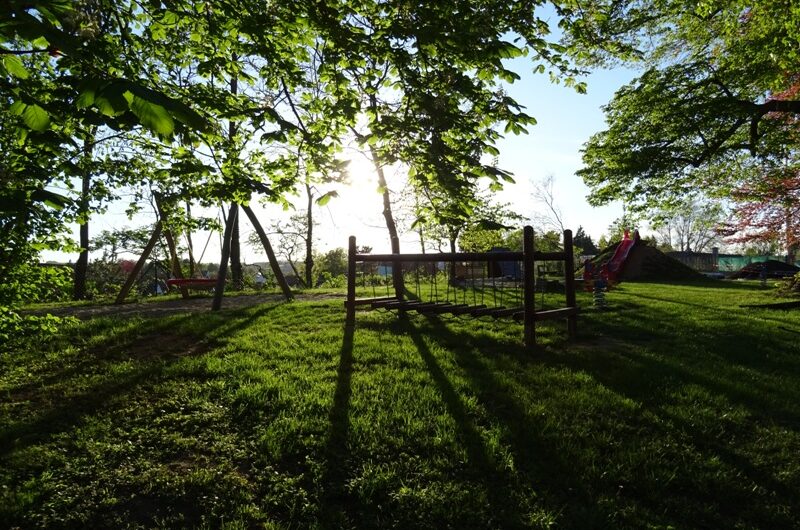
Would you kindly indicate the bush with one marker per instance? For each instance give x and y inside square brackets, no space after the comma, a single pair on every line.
[32,283]
[16,329]
[790,286]
[326,279]
[105,278]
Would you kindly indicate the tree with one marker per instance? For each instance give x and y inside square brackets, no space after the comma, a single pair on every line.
[543,195]
[293,240]
[628,221]
[768,211]
[425,79]
[425,85]
[692,226]
[584,242]
[64,71]
[490,226]
[721,80]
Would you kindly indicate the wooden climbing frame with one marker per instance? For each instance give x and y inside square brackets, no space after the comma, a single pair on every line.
[525,311]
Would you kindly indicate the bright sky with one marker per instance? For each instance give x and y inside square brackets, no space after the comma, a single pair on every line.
[565,122]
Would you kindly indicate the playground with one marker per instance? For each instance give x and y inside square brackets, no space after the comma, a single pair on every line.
[406,265]
[674,407]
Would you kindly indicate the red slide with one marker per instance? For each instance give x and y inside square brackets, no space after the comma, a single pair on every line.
[617,261]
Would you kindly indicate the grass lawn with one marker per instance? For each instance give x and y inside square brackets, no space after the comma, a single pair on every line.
[676,408]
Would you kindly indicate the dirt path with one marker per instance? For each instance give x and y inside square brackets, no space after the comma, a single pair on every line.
[172,307]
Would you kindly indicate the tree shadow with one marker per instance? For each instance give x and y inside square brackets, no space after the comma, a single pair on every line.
[554,477]
[497,483]
[648,378]
[118,376]
[334,501]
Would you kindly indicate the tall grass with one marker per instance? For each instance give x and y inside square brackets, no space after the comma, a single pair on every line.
[675,408]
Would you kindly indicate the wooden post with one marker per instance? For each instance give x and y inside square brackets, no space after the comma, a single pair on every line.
[397,271]
[529,295]
[123,293]
[273,261]
[569,279]
[219,289]
[351,281]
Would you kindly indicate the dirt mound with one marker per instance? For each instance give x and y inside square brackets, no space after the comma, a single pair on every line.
[773,268]
[648,263]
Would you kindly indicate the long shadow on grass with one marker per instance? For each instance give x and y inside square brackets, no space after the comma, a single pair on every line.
[723,357]
[555,479]
[679,352]
[653,377]
[334,498]
[501,487]
[152,358]
[497,487]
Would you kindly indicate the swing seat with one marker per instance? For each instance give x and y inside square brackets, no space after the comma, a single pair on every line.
[192,283]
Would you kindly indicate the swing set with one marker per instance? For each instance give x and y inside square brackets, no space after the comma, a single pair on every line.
[498,284]
[183,283]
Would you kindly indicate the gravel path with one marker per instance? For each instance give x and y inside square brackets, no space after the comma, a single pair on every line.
[172,307]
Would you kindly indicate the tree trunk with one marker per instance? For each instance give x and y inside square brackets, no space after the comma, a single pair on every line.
[123,293]
[309,237]
[219,289]
[377,162]
[273,260]
[82,265]
[387,201]
[189,240]
[452,264]
[235,254]
[791,242]
[237,281]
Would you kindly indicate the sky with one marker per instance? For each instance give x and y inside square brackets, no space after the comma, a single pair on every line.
[565,119]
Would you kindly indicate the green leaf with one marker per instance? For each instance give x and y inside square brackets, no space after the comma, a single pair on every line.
[88,93]
[176,109]
[153,116]
[488,224]
[110,100]
[36,117]
[15,67]
[324,199]
[54,200]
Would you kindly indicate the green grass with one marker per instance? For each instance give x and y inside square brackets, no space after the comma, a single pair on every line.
[676,408]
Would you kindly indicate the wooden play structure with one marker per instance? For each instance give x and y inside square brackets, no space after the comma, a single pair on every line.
[506,289]
[192,283]
[178,279]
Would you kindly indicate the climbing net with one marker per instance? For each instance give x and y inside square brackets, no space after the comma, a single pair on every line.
[487,285]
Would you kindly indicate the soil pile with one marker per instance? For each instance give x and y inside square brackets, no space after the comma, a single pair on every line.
[648,263]
[773,268]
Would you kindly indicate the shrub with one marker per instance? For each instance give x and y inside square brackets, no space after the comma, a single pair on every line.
[32,283]
[790,286]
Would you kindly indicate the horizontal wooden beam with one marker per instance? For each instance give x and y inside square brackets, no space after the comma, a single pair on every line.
[482,311]
[506,312]
[555,313]
[442,256]
[440,308]
[550,314]
[368,301]
[458,256]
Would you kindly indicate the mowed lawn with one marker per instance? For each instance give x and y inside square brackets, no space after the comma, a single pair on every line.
[676,408]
